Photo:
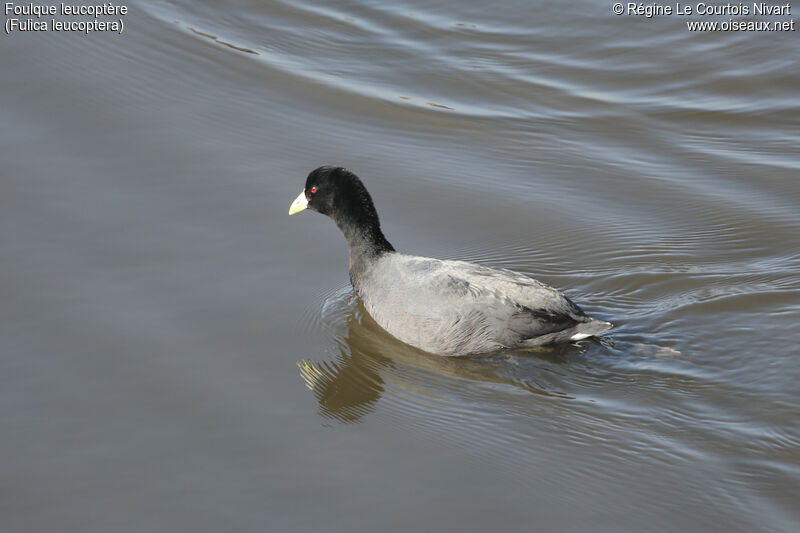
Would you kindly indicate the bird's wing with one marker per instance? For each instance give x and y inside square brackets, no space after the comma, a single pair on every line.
[467,306]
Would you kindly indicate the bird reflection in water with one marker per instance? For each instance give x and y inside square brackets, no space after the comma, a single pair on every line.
[370,361]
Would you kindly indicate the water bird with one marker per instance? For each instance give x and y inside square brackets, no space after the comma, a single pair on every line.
[444,307]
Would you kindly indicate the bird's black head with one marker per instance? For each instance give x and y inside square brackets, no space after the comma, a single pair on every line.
[340,194]
[330,189]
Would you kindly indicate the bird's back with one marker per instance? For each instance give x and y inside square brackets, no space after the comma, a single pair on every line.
[460,308]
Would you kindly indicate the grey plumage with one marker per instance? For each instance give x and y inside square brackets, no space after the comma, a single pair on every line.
[444,307]
[460,308]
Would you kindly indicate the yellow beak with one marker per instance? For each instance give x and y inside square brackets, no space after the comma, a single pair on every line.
[299,203]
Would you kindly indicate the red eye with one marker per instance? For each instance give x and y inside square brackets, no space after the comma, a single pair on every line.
[314,190]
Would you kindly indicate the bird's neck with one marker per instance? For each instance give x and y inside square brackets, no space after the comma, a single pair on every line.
[367,243]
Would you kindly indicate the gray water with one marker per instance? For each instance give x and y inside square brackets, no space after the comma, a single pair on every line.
[178,354]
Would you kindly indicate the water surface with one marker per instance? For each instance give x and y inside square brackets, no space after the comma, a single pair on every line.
[179,354]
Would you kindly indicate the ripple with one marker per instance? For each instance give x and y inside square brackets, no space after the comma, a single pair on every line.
[325,316]
[224,43]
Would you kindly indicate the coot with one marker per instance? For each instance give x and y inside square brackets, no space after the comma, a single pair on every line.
[443,307]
